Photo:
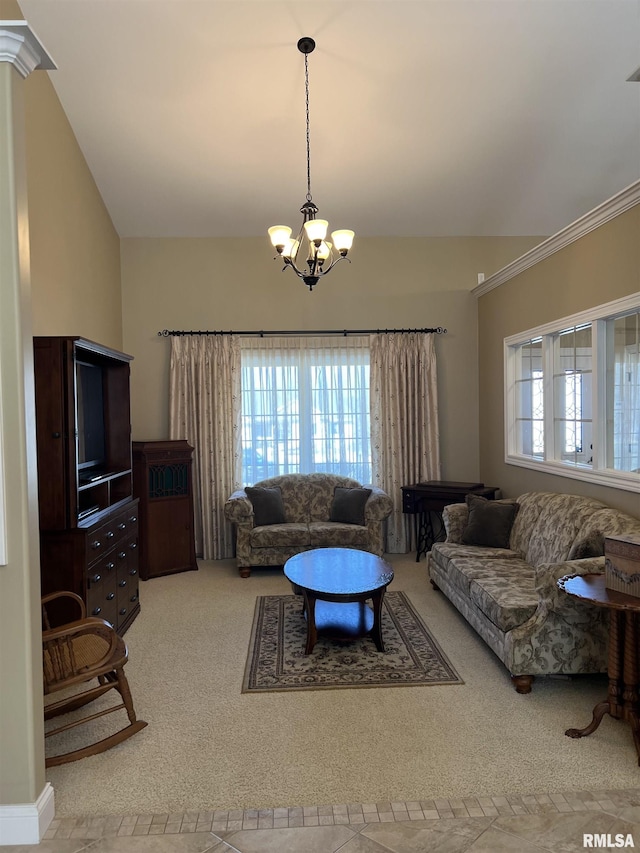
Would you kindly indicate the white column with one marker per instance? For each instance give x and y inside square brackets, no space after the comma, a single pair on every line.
[26,799]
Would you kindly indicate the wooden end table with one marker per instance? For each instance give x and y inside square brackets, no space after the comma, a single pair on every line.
[336,583]
[623,701]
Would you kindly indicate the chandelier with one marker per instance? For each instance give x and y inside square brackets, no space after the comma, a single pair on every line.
[321,255]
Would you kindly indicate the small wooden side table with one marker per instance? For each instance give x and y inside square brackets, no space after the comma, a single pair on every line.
[426,501]
[622,702]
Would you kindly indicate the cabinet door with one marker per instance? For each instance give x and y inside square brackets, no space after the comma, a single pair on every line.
[170,544]
[55,435]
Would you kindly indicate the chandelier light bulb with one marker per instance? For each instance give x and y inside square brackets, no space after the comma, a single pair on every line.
[279,234]
[290,248]
[342,240]
[316,229]
[324,251]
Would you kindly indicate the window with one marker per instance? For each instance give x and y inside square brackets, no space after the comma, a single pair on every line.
[305,407]
[572,396]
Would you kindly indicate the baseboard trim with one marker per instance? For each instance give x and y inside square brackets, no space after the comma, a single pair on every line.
[26,823]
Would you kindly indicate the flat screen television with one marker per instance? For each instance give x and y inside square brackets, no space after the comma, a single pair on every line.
[90,416]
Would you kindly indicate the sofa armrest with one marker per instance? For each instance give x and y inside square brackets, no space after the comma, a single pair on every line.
[455,518]
[239,508]
[378,506]
[547,576]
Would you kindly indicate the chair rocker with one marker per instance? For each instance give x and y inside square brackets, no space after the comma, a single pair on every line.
[75,653]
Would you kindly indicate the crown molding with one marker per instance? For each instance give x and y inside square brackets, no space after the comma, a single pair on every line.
[609,209]
[20,46]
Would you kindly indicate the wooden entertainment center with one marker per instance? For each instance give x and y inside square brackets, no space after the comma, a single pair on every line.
[88,516]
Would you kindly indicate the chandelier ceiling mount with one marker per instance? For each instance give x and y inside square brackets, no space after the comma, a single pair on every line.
[321,255]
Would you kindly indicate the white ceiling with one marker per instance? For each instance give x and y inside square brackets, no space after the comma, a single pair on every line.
[428,117]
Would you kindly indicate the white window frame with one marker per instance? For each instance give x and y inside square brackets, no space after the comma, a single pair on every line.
[597,471]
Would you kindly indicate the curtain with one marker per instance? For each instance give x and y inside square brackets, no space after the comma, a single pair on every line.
[204,409]
[404,422]
[305,406]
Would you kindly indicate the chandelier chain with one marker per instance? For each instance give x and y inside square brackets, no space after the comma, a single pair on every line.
[306,90]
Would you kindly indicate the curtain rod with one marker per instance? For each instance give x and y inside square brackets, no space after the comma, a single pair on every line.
[438,330]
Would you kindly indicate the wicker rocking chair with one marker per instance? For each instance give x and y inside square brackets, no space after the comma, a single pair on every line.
[73,654]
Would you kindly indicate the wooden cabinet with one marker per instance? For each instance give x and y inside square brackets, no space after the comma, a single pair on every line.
[162,482]
[88,517]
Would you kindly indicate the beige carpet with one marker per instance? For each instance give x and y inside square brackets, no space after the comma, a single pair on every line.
[208,745]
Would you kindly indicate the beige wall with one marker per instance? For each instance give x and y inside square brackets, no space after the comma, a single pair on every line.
[236,284]
[75,250]
[59,274]
[21,730]
[599,267]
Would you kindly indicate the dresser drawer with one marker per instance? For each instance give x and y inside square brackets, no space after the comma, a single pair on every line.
[127,577]
[102,596]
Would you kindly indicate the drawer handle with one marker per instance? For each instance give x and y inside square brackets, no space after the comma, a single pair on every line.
[133,519]
[109,534]
[122,525]
[133,572]
[110,566]
[122,555]
[122,583]
[134,598]
[133,545]
[97,544]
[122,611]
[96,611]
[96,579]
[111,596]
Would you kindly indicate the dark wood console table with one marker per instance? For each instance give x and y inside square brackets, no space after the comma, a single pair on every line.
[425,501]
[622,702]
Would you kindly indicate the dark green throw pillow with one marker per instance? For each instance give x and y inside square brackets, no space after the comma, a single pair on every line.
[348,505]
[590,546]
[267,505]
[490,522]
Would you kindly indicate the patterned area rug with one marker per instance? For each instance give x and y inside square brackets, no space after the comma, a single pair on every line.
[277,660]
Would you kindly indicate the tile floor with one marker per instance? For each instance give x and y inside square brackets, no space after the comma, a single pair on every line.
[558,823]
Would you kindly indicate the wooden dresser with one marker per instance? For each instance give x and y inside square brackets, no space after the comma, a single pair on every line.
[88,516]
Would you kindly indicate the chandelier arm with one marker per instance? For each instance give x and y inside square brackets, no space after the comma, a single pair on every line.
[316,271]
[325,270]
[289,263]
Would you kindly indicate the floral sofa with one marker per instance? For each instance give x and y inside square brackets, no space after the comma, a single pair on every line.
[509,594]
[282,516]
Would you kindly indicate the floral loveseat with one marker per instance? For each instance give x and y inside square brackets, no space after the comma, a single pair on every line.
[509,594]
[282,516]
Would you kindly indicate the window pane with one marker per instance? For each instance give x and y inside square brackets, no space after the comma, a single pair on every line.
[572,373]
[530,400]
[305,407]
[623,385]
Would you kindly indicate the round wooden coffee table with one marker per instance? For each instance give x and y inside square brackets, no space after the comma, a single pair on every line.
[336,584]
[623,699]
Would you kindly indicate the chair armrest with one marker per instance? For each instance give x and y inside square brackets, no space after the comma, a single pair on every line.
[547,575]
[378,506]
[239,508]
[53,596]
[455,518]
